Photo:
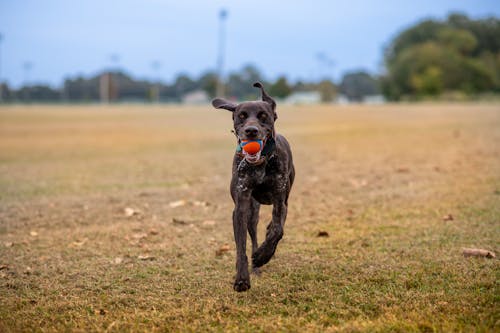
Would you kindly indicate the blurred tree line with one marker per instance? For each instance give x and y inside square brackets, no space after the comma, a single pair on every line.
[455,56]
[238,86]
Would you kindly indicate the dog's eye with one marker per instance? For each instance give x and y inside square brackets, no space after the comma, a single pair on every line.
[262,116]
[243,115]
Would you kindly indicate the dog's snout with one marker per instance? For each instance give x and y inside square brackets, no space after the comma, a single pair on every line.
[251,131]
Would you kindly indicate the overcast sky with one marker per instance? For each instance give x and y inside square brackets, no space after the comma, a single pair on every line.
[64,37]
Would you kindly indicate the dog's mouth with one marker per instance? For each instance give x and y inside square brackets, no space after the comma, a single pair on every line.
[252,156]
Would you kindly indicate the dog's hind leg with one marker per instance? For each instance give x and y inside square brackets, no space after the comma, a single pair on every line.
[273,235]
[252,228]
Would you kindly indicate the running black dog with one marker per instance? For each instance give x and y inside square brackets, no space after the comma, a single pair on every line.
[259,177]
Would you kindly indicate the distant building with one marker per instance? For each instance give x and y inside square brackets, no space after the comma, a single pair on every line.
[196,97]
[374,99]
[342,99]
[304,97]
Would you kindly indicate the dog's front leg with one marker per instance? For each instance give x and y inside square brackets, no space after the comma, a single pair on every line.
[273,235]
[241,216]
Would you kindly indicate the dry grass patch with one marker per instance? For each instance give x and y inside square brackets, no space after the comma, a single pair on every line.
[378,180]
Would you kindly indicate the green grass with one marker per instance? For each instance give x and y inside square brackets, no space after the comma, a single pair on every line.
[378,179]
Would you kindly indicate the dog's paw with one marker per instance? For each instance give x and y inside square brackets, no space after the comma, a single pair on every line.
[241,285]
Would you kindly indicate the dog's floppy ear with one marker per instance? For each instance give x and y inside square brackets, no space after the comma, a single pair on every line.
[266,97]
[220,103]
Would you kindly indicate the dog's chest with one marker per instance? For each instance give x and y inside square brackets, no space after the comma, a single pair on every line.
[265,178]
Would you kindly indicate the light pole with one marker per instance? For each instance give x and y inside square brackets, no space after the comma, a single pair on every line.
[220,56]
[325,62]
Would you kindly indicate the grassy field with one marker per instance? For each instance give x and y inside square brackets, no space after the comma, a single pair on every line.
[378,179]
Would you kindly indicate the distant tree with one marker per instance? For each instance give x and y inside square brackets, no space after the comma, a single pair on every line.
[35,93]
[460,40]
[130,89]
[327,90]
[81,89]
[208,82]
[357,85]
[280,88]
[304,86]
[184,84]
[239,84]
[7,94]
[433,57]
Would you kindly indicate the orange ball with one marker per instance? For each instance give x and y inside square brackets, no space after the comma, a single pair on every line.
[251,147]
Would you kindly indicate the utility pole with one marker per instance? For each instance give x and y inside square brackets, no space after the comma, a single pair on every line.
[108,88]
[1,83]
[155,93]
[27,66]
[113,79]
[220,57]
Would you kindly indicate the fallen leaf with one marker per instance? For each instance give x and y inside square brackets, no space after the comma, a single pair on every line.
[140,235]
[33,233]
[27,271]
[177,203]
[131,212]
[102,312]
[200,203]
[323,234]
[223,249]
[358,183]
[313,179]
[153,232]
[448,217]
[8,244]
[478,253]
[118,260]
[145,257]
[403,170]
[178,221]
[209,222]
[79,243]
[2,267]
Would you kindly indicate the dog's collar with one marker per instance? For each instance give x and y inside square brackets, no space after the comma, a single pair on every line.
[267,151]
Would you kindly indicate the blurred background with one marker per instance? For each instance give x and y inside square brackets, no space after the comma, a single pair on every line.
[154,51]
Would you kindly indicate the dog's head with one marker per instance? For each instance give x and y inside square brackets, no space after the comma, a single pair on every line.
[253,120]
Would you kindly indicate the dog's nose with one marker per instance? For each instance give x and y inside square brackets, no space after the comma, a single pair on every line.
[251,131]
